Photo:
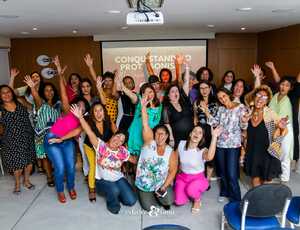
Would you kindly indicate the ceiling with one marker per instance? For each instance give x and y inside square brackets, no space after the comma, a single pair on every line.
[91,17]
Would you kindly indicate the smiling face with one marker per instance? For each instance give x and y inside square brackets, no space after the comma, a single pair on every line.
[36,78]
[261,99]
[6,95]
[196,135]
[165,76]
[238,89]
[116,141]
[228,78]
[161,136]
[284,87]
[223,98]
[204,89]
[205,75]
[108,83]
[86,88]
[129,83]
[98,112]
[174,94]
[75,82]
[149,93]
[48,92]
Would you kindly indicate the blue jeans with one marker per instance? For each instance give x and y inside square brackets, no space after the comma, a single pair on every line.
[227,160]
[116,192]
[62,156]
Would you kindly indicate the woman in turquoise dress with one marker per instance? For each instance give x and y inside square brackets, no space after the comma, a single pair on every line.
[154,109]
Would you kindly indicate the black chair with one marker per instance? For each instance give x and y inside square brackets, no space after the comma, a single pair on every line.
[258,208]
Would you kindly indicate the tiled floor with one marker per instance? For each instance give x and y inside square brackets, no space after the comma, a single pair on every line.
[40,210]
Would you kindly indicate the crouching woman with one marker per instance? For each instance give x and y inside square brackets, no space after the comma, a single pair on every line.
[109,159]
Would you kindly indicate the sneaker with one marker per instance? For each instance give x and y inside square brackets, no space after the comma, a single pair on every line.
[221,199]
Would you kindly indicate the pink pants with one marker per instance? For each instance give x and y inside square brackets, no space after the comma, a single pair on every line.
[189,186]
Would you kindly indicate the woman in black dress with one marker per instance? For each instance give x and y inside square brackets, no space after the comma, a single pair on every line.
[177,111]
[18,138]
[260,163]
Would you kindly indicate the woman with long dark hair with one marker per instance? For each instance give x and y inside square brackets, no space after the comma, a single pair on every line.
[110,156]
[154,109]
[228,80]
[191,182]
[18,138]
[101,125]
[48,109]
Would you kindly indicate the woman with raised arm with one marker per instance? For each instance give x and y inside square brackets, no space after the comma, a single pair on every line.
[109,89]
[157,165]
[101,125]
[110,156]
[59,142]
[18,138]
[233,118]
[73,86]
[165,75]
[154,109]
[48,109]
[264,137]
[191,182]
[177,111]
[206,99]
[294,95]
[127,102]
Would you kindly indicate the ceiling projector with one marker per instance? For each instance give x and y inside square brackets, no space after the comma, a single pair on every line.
[145,18]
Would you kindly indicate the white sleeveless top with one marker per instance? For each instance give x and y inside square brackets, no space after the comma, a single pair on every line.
[152,169]
[191,160]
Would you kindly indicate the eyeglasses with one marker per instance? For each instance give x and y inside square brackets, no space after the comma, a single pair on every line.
[262,97]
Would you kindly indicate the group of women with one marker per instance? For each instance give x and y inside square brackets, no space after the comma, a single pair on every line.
[171,135]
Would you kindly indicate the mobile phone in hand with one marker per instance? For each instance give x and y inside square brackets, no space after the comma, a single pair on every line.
[160,193]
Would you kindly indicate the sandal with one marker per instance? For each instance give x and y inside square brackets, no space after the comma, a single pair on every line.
[16,191]
[40,170]
[29,186]
[92,195]
[73,194]
[61,197]
[50,182]
[196,210]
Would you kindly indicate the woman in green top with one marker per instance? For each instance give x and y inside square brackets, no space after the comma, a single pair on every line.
[281,104]
[154,109]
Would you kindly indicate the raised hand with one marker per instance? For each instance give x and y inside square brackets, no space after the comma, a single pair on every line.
[77,111]
[256,70]
[215,132]
[88,60]
[29,82]
[99,83]
[14,72]
[148,55]
[270,65]
[145,101]
[180,59]
[56,62]
[246,116]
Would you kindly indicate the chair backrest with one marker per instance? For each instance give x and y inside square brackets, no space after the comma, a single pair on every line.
[266,200]
[166,227]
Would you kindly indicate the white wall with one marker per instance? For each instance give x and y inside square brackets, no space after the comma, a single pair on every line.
[4,66]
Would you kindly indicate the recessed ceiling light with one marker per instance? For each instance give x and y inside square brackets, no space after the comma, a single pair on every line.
[34,29]
[243,28]
[211,26]
[75,31]
[282,10]
[124,27]
[24,32]
[244,9]
[114,11]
